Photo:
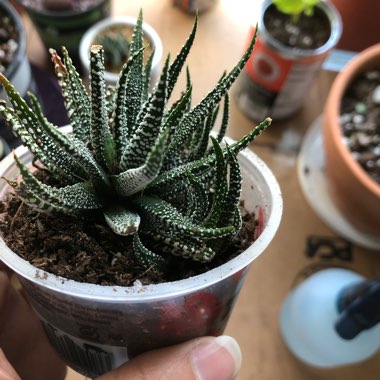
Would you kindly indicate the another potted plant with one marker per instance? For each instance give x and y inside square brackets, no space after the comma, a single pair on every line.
[14,62]
[295,36]
[351,138]
[115,35]
[134,196]
[63,22]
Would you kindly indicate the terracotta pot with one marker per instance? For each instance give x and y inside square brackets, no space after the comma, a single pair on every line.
[353,13]
[356,195]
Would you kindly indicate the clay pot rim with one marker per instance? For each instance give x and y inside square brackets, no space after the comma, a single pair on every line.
[356,66]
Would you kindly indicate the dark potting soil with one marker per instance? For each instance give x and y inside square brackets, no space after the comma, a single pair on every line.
[360,121]
[309,32]
[90,252]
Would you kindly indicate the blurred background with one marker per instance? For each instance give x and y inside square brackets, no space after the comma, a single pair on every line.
[311,238]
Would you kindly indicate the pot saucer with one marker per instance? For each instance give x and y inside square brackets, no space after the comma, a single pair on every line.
[311,175]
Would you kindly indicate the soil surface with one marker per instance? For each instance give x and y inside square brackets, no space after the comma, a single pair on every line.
[309,32]
[360,121]
[8,40]
[90,252]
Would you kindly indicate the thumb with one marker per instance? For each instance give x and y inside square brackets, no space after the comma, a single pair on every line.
[206,358]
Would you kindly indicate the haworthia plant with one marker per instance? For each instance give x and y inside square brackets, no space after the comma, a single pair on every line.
[151,168]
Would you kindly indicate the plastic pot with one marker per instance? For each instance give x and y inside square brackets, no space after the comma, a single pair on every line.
[96,328]
[353,191]
[152,37]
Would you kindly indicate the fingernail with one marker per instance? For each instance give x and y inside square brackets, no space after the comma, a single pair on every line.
[218,359]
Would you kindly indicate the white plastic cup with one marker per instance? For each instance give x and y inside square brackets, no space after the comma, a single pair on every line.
[128,22]
[96,328]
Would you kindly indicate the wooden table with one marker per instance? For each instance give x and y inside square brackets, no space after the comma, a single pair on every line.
[254,323]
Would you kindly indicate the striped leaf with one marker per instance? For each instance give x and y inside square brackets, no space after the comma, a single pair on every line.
[179,61]
[135,79]
[76,98]
[79,196]
[119,122]
[121,220]
[200,112]
[134,180]
[221,188]
[163,214]
[184,246]
[102,141]
[146,133]
[148,258]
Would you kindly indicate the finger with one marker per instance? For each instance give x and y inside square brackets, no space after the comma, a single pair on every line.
[22,337]
[4,268]
[205,358]
[7,372]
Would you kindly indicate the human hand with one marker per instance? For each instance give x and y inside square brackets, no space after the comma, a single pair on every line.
[26,347]
[22,340]
[206,358]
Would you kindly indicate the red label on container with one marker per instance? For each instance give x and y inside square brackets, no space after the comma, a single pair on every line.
[267,68]
[279,79]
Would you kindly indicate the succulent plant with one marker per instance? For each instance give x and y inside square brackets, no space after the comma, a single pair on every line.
[295,8]
[115,46]
[148,166]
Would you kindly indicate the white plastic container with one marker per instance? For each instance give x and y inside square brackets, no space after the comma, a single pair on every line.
[308,318]
[96,328]
[122,21]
